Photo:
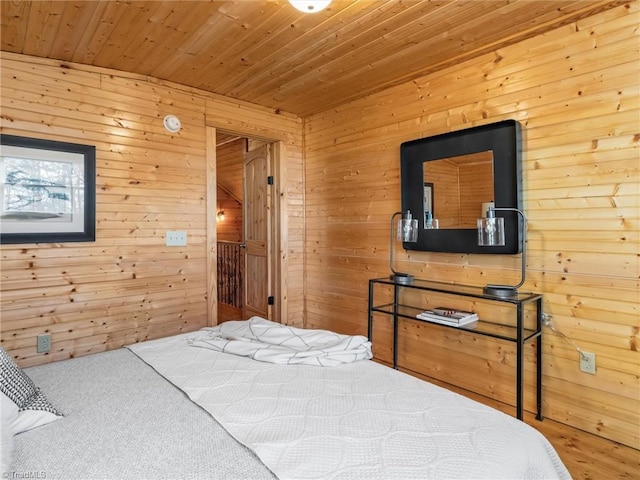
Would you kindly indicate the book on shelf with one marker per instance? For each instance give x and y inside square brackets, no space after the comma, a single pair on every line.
[448,316]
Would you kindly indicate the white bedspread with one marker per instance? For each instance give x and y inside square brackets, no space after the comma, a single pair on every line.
[357,420]
[272,342]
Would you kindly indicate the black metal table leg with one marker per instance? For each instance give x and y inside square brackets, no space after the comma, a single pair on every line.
[519,362]
[395,326]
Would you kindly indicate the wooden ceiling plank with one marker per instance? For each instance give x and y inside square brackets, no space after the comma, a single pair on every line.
[69,37]
[257,53]
[200,39]
[327,40]
[304,37]
[166,35]
[341,76]
[224,28]
[106,15]
[390,47]
[236,58]
[398,47]
[170,53]
[135,15]
[338,38]
[44,23]
[145,45]
[14,30]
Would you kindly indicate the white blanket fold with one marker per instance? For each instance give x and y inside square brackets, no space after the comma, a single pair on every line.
[272,342]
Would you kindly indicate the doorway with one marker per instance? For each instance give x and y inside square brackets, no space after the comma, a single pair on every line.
[246,224]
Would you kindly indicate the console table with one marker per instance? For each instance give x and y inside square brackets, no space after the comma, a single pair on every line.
[514,332]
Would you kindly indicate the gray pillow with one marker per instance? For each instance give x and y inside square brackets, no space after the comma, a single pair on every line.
[17,385]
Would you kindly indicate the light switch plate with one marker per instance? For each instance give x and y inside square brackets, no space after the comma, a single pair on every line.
[176,238]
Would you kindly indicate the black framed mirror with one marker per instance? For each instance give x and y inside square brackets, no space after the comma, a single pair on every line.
[465,171]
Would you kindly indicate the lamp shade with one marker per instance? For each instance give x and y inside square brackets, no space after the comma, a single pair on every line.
[491,231]
[310,6]
[406,231]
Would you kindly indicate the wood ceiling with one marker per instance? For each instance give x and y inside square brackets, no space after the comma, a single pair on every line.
[268,53]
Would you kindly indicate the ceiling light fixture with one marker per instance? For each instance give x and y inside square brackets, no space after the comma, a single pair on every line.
[310,6]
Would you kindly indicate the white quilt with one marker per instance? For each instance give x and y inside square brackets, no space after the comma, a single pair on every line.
[272,342]
[357,420]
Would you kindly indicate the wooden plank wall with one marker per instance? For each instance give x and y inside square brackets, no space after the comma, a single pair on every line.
[229,197]
[229,227]
[576,92]
[127,286]
[229,167]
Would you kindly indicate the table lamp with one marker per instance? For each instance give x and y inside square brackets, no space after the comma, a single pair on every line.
[406,231]
[491,233]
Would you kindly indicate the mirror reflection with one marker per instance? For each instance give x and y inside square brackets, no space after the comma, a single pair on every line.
[455,189]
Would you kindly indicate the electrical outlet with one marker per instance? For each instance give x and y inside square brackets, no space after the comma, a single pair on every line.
[588,362]
[176,238]
[43,344]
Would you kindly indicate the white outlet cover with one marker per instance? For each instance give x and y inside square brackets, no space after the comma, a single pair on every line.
[588,362]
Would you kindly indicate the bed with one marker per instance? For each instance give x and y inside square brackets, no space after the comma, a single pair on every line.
[227,402]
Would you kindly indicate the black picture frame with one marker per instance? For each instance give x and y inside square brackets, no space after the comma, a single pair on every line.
[47,191]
